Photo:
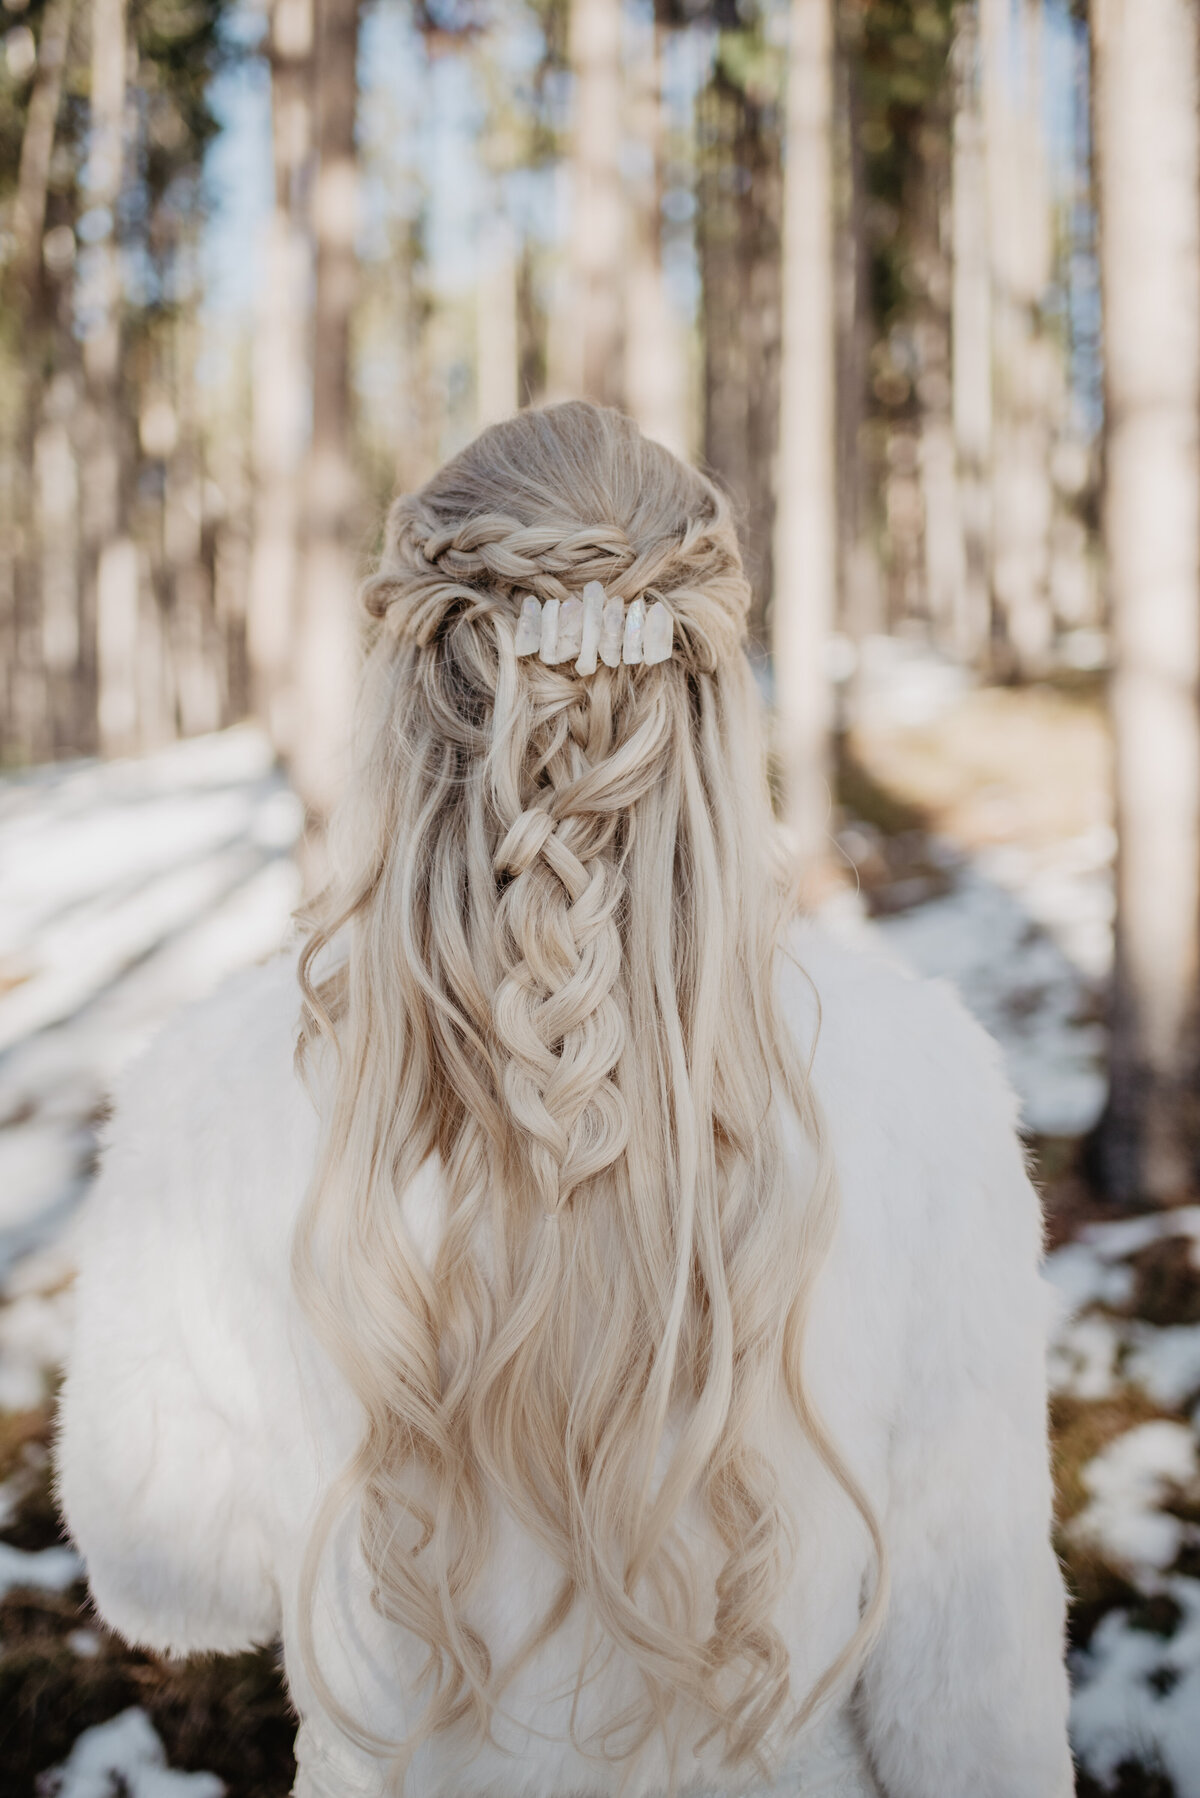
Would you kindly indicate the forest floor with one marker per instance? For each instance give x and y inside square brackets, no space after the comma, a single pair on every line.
[974,841]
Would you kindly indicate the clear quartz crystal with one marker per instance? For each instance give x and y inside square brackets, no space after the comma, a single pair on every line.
[593,623]
[659,635]
[612,632]
[549,646]
[570,630]
[635,619]
[528,639]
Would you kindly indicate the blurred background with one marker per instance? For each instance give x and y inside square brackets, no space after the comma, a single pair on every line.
[918,283]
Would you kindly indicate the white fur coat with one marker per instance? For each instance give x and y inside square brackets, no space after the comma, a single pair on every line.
[201,1424]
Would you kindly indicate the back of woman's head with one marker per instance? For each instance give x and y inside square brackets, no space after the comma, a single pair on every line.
[551,970]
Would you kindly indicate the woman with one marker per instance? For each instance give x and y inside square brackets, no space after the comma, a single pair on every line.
[612,1359]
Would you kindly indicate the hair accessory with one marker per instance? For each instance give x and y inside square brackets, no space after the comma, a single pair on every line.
[570,630]
[635,623]
[593,624]
[529,627]
[549,649]
[611,632]
[595,628]
[658,637]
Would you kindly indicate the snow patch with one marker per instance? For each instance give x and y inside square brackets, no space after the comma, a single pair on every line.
[124,1757]
[1137,1696]
[1129,1236]
[1165,1363]
[1128,1482]
[1082,1360]
[46,1570]
[1081,1277]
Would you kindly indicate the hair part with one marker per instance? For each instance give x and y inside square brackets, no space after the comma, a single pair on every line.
[552,956]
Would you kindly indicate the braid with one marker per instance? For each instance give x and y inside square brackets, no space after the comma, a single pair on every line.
[430,572]
[558,1017]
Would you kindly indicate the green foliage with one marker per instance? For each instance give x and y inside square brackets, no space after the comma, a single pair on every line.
[899,54]
[753,65]
[179,45]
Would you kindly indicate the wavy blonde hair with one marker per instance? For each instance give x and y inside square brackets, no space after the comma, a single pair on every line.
[561,915]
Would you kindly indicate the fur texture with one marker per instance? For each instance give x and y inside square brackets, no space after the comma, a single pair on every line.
[201,1425]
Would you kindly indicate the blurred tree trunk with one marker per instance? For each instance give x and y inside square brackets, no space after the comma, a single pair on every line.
[196,650]
[655,375]
[587,336]
[56,530]
[39,655]
[1148,155]
[326,661]
[38,563]
[280,375]
[971,341]
[858,573]
[944,557]
[37,145]
[497,352]
[803,599]
[739,247]
[108,637]
[1019,215]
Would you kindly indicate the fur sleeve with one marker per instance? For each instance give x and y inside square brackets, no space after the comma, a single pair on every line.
[966,1690]
[165,1417]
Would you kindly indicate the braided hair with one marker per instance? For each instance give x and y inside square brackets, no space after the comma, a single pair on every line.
[547,969]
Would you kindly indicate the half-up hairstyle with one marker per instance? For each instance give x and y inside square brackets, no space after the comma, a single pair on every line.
[548,964]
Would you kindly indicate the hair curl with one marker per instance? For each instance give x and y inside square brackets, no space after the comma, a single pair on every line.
[560,916]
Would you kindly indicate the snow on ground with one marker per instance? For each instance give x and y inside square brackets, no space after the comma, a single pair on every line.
[1137,1682]
[1026,938]
[1137,1695]
[125,1756]
[128,888]
[43,1570]
[1128,1484]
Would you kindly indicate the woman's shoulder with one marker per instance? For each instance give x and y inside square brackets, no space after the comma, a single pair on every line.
[244,1031]
[923,1120]
[864,1004]
[212,1117]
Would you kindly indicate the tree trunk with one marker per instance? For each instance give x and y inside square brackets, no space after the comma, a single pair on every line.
[1148,155]
[858,563]
[655,371]
[33,686]
[327,636]
[56,527]
[109,627]
[587,339]
[944,556]
[738,230]
[497,354]
[971,341]
[803,604]
[1019,215]
[280,378]
[37,144]
[195,647]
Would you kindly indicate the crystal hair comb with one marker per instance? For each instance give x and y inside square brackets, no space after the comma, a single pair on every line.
[594,628]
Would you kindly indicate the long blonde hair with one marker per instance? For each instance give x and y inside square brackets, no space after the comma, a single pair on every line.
[561,916]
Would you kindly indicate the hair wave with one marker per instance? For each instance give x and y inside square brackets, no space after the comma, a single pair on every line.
[559,916]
